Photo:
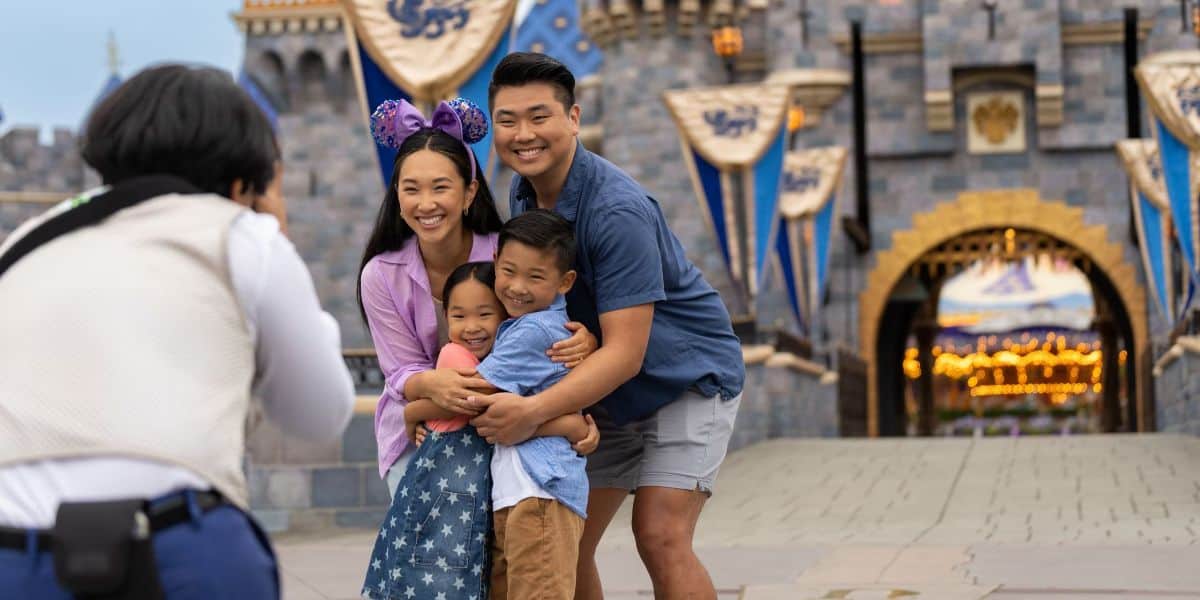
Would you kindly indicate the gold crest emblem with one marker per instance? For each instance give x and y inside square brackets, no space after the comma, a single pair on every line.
[996,119]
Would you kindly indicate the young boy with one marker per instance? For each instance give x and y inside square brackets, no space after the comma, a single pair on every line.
[539,487]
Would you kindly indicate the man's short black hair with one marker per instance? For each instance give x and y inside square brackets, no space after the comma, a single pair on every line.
[544,230]
[522,68]
[191,122]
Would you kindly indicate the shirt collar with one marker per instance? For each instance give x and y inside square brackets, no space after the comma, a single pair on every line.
[567,204]
[409,255]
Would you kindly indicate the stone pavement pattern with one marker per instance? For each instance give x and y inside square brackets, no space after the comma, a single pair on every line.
[1071,518]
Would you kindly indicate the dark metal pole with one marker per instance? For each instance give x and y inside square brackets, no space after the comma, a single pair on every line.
[1133,102]
[863,204]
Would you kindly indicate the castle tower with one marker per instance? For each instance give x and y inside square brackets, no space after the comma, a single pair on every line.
[296,56]
[649,47]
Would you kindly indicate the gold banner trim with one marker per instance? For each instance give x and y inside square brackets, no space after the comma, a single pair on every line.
[1141,162]
[810,177]
[732,126]
[1171,83]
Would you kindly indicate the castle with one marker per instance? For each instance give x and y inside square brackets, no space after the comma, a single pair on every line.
[984,124]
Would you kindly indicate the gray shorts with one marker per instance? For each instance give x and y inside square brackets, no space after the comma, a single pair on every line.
[681,446]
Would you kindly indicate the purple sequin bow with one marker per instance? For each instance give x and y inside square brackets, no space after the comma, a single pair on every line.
[394,120]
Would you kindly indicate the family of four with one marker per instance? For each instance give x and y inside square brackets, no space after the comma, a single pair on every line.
[537,371]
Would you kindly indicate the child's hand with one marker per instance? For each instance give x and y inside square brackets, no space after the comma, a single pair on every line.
[419,434]
[591,441]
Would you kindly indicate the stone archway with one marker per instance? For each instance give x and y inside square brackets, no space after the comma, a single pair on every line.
[1019,208]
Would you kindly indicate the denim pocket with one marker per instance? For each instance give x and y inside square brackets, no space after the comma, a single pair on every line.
[443,534]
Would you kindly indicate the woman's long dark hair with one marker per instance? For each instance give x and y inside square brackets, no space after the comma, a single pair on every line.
[391,231]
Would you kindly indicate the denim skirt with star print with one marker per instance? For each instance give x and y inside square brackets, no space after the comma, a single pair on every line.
[433,544]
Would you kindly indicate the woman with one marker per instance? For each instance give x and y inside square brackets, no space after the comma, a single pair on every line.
[437,214]
[134,341]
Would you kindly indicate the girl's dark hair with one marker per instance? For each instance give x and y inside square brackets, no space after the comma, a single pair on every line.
[391,231]
[191,122]
[483,272]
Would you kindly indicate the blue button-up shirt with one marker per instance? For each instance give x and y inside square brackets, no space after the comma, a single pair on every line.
[518,364]
[627,256]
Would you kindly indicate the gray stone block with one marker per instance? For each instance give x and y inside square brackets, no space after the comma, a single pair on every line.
[376,493]
[360,518]
[358,442]
[997,162]
[337,487]
[272,521]
[288,488]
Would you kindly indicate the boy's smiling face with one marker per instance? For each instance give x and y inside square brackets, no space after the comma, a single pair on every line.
[528,279]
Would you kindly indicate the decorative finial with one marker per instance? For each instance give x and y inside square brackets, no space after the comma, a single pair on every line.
[114,55]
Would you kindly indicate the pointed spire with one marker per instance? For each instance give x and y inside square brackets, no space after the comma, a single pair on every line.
[114,54]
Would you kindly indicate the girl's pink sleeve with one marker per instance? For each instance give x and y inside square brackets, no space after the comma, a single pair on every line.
[454,356]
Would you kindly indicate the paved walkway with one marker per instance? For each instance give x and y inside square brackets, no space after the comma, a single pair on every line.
[1075,518]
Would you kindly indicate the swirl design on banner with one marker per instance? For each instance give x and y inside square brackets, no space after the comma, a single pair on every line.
[429,21]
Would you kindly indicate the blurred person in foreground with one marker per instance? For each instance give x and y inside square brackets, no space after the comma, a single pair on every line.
[138,320]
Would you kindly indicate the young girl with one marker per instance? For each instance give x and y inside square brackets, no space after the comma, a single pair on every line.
[434,539]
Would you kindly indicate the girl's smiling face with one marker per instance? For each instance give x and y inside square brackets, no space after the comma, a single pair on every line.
[473,314]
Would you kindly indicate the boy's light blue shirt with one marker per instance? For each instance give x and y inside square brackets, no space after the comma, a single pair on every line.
[518,364]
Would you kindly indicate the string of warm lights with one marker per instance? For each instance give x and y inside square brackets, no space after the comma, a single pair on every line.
[1055,369]
[1034,388]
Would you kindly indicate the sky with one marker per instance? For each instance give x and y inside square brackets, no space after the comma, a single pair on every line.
[54,57]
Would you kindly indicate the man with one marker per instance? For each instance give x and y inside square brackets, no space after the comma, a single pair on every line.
[667,379]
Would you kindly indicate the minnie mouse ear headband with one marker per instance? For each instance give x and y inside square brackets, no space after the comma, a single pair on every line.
[394,120]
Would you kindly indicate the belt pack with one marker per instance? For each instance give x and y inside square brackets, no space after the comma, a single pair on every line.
[104,551]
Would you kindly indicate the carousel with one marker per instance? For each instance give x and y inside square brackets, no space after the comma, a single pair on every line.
[1016,352]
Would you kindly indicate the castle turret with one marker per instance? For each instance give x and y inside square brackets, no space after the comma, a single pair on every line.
[651,46]
[296,56]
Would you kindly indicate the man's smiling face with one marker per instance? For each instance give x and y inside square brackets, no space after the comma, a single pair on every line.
[534,132]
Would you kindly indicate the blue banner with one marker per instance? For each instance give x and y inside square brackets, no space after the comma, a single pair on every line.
[789,263]
[1150,226]
[712,196]
[767,174]
[822,241]
[1176,161]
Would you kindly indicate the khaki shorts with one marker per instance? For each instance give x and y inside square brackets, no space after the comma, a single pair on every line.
[681,446]
[535,550]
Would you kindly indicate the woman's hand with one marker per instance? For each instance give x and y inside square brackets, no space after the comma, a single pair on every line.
[589,443]
[418,436]
[450,388]
[571,351]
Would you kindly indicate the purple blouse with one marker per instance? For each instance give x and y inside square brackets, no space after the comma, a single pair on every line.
[403,323]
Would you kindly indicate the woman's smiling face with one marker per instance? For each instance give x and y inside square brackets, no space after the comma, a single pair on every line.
[433,195]
[473,314]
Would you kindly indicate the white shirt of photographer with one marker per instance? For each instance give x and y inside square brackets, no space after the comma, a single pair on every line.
[301,380]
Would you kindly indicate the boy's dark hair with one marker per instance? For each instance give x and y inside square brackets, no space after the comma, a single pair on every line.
[522,68]
[191,122]
[483,271]
[542,229]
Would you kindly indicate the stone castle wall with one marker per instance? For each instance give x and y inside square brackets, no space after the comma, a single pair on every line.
[333,185]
